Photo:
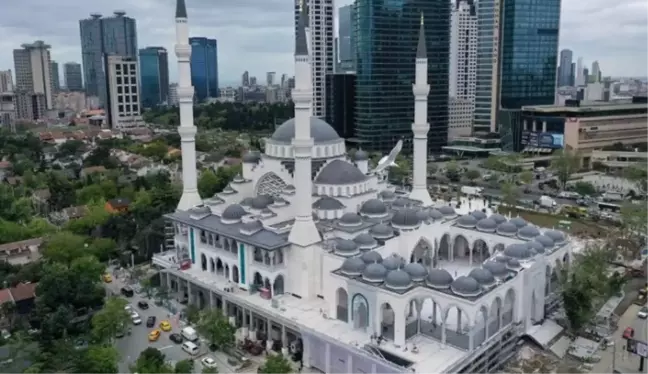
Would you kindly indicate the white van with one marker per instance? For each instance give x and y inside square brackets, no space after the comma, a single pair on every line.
[190,334]
[190,348]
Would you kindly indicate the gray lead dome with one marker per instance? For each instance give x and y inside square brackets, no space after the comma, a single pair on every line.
[435,214]
[498,218]
[373,207]
[528,232]
[406,218]
[518,222]
[507,229]
[536,246]
[365,241]
[417,271]
[439,278]
[483,276]
[350,219]
[200,210]
[381,231]
[478,214]
[233,212]
[353,266]
[486,225]
[467,221]
[546,241]
[262,201]
[371,257]
[339,172]
[498,269]
[320,131]
[557,236]
[465,286]
[398,280]
[361,155]
[345,247]
[374,273]
[387,195]
[518,251]
[328,203]
[393,262]
[447,211]
[251,157]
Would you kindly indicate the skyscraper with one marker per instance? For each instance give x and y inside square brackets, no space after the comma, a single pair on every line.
[463,65]
[6,81]
[56,82]
[320,43]
[270,78]
[345,37]
[101,36]
[204,67]
[73,76]
[123,105]
[34,73]
[245,79]
[595,76]
[565,68]
[580,79]
[154,76]
[386,38]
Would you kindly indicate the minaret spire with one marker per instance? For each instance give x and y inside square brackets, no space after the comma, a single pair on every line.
[420,127]
[190,197]
[304,232]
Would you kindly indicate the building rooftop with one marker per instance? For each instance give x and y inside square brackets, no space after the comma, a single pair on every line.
[587,107]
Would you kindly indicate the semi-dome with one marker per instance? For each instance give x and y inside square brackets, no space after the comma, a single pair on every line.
[486,225]
[483,276]
[361,155]
[400,203]
[353,266]
[365,240]
[320,131]
[387,195]
[557,236]
[467,221]
[262,201]
[417,271]
[478,214]
[435,214]
[371,257]
[406,218]
[374,273]
[507,229]
[346,247]
[233,212]
[465,286]
[447,211]
[350,219]
[328,203]
[546,241]
[498,218]
[247,201]
[393,262]
[439,278]
[381,231]
[398,280]
[518,250]
[423,215]
[518,222]
[535,246]
[338,172]
[373,207]
[496,268]
[528,232]
[251,157]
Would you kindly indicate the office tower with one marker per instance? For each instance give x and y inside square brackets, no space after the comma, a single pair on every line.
[253,81]
[73,76]
[270,77]
[345,37]
[173,94]
[56,82]
[284,80]
[101,36]
[572,75]
[123,104]
[595,76]
[7,109]
[34,73]
[463,68]
[245,79]
[320,43]
[6,81]
[204,67]
[340,103]
[586,76]
[580,80]
[386,40]
[488,55]
[565,68]
[154,76]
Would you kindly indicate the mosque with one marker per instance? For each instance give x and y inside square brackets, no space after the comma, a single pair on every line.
[317,253]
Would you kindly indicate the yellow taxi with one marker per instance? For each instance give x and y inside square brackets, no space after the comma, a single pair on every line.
[165,326]
[107,278]
[154,335]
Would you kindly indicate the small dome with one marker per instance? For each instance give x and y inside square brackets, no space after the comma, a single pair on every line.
[557,236]
[393,262]
[371,257]
[262,201]
[365,240]
[423,215]
[360,155]
[238,178]
[439,278]
[406,218]
[374,273]
[373,207]
[353,266]
[338,172]
[247,201]
[528,232]
[546,241]
[483,276]
[320,131]
[467,221]
[345,247]
[497,269]
[228,190]
[328,203]
[447,211]
[507,229]
[498,218]
[381,231]
[465,286]
[400,203]
[518,222]
[398,280]
[233,212]
[513,264]
[518,251]
[387,195]
[252,226]
[486,225]
[350,219]
[417,271]
[503,259]
[536,246]
[200,210]
[478,214]
[251,157]
[435,214]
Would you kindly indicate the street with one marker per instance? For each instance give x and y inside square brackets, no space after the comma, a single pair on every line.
[625,362]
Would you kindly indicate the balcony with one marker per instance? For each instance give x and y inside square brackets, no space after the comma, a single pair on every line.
[167,260]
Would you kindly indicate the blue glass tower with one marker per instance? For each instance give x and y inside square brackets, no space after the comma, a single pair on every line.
[204,67]
[154,76]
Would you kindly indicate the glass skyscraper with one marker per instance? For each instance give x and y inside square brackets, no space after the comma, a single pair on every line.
[154,76]
[345,36]
[487,64]
[386,35]
[204,67]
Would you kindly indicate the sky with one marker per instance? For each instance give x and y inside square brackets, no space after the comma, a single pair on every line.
[257,35]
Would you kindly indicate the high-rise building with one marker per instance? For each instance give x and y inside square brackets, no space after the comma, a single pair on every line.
[270,78]
[572,76]
[253,81]
[204,67]
[7,109]
[154,76]
[345,37]
[595,76]
[101,36]
[580,79]
[173,94]
[245,79]
[56,82]
[340,103]
[6,81]
[34,72]
[320,43]
[73,76]
[565,68]
[463,68]
[487,85]
[123,105]
[386,40]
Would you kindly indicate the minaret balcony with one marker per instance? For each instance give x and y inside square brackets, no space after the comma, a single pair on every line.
[183,50]
[421,90]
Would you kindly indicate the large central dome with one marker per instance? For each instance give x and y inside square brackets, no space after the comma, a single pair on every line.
[321,132]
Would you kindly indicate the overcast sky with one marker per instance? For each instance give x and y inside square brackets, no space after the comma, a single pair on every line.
[257,35]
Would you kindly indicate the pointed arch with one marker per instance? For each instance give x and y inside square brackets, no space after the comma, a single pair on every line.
[387,320]
[203,262]
[360,311]
[460,247]
[269,184]
[495,317]
[508,315]
[443,252]
[342,304]
[422,251]
[278,285]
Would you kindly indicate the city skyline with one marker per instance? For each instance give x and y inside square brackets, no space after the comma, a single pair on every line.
[258,36]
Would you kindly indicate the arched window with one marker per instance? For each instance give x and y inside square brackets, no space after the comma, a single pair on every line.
[360,311]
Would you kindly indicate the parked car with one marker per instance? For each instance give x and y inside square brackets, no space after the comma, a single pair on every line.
[643,312]
[127,291]
[628,333]
[143,305]
[150,321]
[176,338]
[208,362]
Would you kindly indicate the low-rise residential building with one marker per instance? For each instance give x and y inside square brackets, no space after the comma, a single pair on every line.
[22,252]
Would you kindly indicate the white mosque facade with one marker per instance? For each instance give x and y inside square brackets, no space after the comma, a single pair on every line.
[318,253]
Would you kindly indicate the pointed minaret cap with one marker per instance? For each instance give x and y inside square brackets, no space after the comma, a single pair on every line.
[421,49]
[301,46]
[181,9]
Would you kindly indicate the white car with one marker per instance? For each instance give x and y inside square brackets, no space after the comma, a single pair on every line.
[137,320]
[128,308]
[208,362]
[643,313]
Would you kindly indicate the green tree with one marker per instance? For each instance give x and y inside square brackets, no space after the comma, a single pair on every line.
[432,168]
[276,364]
[472,175]
[99,359]
[208,183]
[452,171]
[95,217]
[147,286]
[90,193]
[584,188]
[184,366]
[110,319]
[631,237]
[564,163]
[61,191]
[151,361]
[213,370]
[639,175]
[193,313]
[216,328]
[71,148]
[64,247]
[510,194]
[525,177]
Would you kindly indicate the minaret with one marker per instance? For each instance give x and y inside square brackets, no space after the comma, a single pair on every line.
[420,127]
[190,197]
[304,232]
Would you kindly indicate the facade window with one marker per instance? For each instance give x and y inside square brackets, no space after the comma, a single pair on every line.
[210,239]
[119,80]
[203,236]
